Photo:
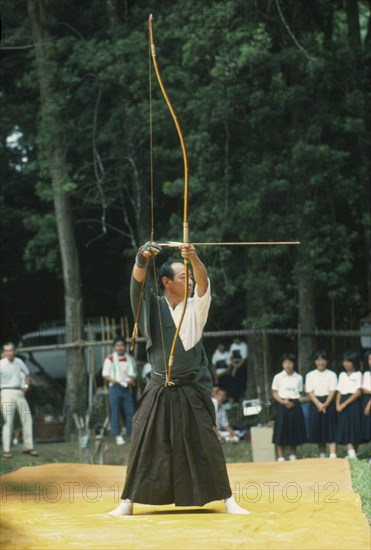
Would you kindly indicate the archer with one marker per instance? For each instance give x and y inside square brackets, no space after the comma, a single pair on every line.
[175,455]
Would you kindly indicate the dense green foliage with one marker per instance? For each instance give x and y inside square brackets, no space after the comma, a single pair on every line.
[277,130]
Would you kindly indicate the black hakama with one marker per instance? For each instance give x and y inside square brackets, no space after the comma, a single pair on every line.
[348,428]
[176,456]
[322,427]
[289,427]
[365,420]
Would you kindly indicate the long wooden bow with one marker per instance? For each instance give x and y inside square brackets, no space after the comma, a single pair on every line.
[186,193]
[185,209]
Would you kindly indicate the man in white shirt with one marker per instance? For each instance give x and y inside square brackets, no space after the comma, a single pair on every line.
[14,381]
[119,371]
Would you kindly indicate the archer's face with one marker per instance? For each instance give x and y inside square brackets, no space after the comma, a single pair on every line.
[175,286]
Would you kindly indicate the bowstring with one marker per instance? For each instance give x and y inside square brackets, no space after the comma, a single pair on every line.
[151,239]
[152,203]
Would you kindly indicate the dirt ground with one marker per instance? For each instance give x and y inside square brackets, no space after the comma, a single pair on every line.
[69,452]
[60,452]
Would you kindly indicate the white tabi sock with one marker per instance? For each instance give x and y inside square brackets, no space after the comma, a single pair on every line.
[231,507]
[125,508]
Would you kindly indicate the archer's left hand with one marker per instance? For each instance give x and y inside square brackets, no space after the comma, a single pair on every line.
[187,251]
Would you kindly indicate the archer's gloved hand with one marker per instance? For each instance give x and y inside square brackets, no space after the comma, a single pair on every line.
[144,252]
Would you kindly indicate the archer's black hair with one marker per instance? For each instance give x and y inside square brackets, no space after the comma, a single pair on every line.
[166,270]
[353,357]
[321,353]
[288,357]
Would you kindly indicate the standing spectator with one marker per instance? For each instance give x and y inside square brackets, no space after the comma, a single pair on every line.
[348,404]
[289,427]
[119,371]
[238,362]
[14,380]
[220,366]
[320,385]
[366,398]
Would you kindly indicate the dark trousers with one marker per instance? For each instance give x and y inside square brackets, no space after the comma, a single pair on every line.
[121,402]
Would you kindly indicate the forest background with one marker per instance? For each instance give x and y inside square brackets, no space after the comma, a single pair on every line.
[273,97]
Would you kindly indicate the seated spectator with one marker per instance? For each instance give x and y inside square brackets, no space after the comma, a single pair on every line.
[224,430]
[214,391]
[220,367]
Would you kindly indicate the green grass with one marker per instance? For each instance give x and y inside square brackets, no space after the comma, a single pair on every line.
[361,481]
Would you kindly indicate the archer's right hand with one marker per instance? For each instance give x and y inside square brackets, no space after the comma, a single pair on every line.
[150,249]
[145,251]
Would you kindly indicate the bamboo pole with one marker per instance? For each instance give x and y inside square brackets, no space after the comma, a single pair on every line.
[108,334]
[333,341]
[102,339]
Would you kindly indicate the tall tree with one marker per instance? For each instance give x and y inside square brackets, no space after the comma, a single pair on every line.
[52,153]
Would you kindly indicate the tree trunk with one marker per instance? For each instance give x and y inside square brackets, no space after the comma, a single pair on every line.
[354,32]
[307,318]
[138,203]
[255,379]
[259,371]
[52,151]
[354,40]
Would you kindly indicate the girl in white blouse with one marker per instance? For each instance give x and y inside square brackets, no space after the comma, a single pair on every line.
[348,404]
[289,426]
[320,385]
[366,398]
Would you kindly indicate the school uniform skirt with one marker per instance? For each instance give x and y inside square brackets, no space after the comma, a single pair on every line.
[322,427]
[175,454]
[348,428]
[365,420]
[289,427]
